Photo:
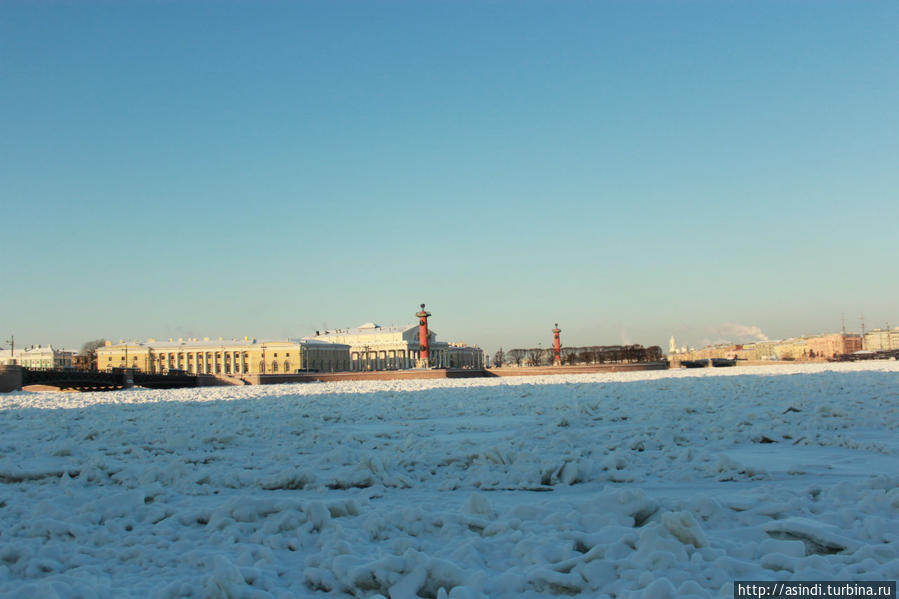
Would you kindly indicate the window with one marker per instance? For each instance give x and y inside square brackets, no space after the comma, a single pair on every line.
[274,366]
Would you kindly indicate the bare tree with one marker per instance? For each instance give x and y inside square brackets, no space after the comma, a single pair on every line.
[634,353]
[498,358]
[516,356]
[585,356]
[89,351]
[615,353]
[593,354]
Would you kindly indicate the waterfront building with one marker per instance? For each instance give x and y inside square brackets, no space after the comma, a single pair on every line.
[225,356]
[829,346]
[376,347]
[882,339]
[794,348]
[721,350]
[38,356]
[815,347]
[765,350]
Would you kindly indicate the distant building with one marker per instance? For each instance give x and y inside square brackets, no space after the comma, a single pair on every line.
[82,362]
[765,350]
[816,347]
[232,357]
[376,347]
[721,350]
[38,357]
[881,339]
[828,346]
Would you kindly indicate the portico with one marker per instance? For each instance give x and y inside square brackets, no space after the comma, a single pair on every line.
[225,357]
[376,347]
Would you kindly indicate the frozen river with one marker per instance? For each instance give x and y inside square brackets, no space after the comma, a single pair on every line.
[653,484]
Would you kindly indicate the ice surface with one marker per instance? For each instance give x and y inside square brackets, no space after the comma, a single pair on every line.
[655,484]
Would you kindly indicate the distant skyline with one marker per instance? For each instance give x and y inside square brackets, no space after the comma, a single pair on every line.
[630,170]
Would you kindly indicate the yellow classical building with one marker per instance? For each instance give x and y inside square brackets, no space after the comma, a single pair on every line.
[225,356]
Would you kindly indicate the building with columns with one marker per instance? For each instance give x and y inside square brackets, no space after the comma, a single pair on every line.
[225,356]
[376,347]
[38,356]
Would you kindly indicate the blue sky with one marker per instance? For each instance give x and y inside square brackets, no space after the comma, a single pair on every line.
[630,170]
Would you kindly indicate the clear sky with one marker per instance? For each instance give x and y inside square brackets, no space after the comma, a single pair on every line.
[630,170]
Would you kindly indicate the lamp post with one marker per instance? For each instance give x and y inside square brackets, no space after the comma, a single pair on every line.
[12,349]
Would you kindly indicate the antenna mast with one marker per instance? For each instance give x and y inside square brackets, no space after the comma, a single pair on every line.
[863,330]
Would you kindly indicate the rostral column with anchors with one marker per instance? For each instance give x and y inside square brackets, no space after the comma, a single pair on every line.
[557,346]
[423,341]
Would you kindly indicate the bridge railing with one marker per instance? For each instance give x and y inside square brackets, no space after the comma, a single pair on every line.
[115,377]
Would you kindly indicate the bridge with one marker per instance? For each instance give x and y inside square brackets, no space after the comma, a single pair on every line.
[883,354]
[14,378]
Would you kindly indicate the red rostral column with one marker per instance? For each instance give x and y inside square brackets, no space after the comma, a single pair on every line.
[423,333]
[557,346]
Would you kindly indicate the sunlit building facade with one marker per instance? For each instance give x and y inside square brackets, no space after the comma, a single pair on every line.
[376,347]
[225,356]
[882,339]
[38,356]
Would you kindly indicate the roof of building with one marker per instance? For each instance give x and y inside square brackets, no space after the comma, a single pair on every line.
[369,328]
[309,341]
[199,343]
[36,349]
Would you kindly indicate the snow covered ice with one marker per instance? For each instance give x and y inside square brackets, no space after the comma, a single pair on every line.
[655,484]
